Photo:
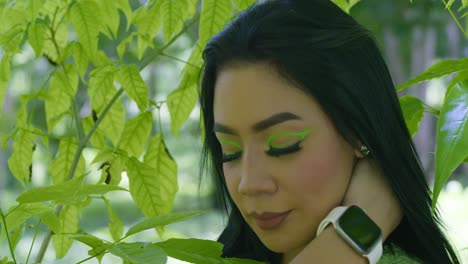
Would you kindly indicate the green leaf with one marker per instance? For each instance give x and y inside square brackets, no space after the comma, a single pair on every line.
[20,160]
[413,112]
[116,226]
[13,17]
[15,237]
[130,78]
[80,56]
[33,7]
[124,5]
[4,77]
[214,15]
[122,47]
[352,3]
[86,19]
[98,139]
[62,164]
[136,133]
[452,136]
[23,212]
[57,101]
[101,85]
[68,78]
[174,14]
[148,20]
[11,40]
[114,122]
[343,4]
[437,70]
[193,250]
[243,4]
[90,240]
[61,193]
[115,165]
[36,34]
[53,8]
[51,220]
[139,253]
[96,189]
[161,220]
[63,240]
[461,76]
[150,191]
[158,157]
[61,37]
[110,18]
[182,101]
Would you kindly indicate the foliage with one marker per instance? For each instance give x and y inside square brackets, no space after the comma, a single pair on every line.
[75,36]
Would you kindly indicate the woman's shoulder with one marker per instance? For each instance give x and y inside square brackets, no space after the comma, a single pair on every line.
[393,254]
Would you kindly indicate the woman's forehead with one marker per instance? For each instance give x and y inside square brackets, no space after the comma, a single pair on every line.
[255,92]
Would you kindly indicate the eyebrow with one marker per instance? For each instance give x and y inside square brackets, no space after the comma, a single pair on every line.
[261,125]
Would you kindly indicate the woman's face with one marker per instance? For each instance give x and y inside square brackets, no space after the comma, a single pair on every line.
[285,165]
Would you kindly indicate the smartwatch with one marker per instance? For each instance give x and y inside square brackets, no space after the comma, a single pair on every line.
[357,229]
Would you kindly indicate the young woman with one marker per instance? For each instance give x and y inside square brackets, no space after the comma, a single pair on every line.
[301,117]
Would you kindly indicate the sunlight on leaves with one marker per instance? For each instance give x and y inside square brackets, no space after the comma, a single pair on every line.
[63,240]
[139,253]
[165,169]
[21,157]
[110,18]
[23,212]
[174,14]
[62,163]
[214,15]
[135,134]
[116,226]
[193,250]
[437,70]
[86,19]
[36,37]
[161,220]
[150,191]
[130,78]
[182,100]
[452,136]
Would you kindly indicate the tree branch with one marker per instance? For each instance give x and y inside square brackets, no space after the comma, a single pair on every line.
[82,144]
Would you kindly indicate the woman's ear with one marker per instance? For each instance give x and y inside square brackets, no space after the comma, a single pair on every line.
[358,153]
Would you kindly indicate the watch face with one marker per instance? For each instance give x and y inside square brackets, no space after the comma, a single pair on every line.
[359,228]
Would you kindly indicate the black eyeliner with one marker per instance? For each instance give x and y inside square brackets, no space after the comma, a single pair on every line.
[276,152]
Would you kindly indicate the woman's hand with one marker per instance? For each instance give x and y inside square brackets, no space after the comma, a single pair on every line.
[370,190]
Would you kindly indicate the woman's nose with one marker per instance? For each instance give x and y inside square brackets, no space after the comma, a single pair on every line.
[255,177]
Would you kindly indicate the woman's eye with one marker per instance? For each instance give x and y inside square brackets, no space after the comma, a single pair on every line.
[276,152]
[227,157]
[285,142]
[231,150]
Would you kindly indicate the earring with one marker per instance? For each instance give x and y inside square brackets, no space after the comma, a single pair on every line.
[364,150]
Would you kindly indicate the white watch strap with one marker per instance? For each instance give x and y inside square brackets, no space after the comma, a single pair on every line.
[335,214]
[332,217]
[375,254]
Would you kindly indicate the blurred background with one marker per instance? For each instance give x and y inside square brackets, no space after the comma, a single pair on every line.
[412,37]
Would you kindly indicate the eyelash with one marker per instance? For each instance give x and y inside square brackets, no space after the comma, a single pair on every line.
[274,152]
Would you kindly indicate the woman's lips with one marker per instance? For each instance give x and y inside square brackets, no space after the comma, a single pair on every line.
[268,221]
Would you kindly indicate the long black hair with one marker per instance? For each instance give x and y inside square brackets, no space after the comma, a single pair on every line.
[326,53]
